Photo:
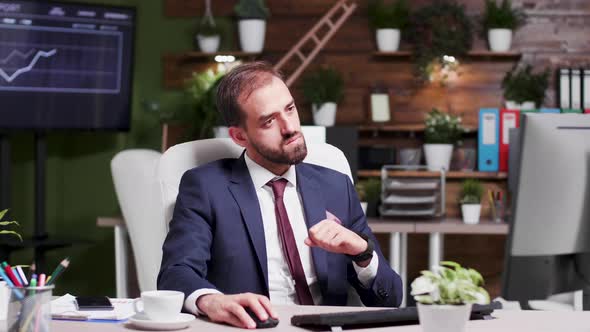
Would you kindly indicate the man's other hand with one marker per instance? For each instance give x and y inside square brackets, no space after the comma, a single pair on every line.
[333,237]
[221,308]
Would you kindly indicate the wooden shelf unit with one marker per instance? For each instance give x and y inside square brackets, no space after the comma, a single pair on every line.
[364,173]
[417,127]
[472,55]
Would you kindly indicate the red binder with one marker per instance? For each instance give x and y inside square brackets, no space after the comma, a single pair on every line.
[508,119]
[587,111]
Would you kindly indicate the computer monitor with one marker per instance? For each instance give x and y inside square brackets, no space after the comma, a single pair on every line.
[549,240]
[65,65]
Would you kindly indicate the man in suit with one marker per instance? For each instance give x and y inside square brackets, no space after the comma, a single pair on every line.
[266,225]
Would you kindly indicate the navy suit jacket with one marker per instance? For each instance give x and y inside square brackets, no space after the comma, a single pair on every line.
[216,236]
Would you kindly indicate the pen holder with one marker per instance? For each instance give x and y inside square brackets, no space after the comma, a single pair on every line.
[29,309]
[499,208]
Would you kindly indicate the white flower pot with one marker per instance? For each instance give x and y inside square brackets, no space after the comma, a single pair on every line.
[4,299]
[471,213]
[252,33]
[208,44]
[325,115]
[500,39]
[443,318]
[438,156]
[527,105]
[387,39]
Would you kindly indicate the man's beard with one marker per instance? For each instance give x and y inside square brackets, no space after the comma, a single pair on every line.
[280,156]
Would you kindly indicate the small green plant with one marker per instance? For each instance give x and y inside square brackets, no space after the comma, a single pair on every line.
[251,9]
[439,29]
[5,223]
[471,192]
[449,283]
[442,128]
[208,27]
[322,86]
[502,17]
[203,116]
[393,16]
[523,85]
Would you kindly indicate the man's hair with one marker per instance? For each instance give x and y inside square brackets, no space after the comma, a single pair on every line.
[237,85]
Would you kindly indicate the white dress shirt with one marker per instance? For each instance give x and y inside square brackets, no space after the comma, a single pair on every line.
[280,283]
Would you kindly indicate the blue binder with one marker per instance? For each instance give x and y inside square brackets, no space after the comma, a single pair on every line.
[550,110]
[488,139]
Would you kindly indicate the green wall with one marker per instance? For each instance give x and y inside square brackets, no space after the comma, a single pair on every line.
[79,184]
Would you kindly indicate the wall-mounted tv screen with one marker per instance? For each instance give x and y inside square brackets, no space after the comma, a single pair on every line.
[65,65]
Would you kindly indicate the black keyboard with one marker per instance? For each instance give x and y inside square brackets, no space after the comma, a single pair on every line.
[382,317]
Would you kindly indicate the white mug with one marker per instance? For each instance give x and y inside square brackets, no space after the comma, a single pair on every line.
[160,305]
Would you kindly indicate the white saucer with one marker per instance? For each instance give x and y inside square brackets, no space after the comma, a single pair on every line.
[142,322]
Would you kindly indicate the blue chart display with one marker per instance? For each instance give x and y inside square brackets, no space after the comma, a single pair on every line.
[60,60]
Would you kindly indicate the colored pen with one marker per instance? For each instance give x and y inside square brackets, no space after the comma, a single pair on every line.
[22,275]
[41,280]
[11,275]
[16,275]
[11,285]
[58,270]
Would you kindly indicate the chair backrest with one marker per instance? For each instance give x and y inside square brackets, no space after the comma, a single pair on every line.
[137,189]
[180,158]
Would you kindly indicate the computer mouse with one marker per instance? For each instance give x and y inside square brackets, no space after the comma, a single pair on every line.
[262,324]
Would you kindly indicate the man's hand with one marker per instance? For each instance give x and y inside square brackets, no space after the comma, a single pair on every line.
[333,237]
[221,308]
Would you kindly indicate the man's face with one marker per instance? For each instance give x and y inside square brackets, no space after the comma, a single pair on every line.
[271,131]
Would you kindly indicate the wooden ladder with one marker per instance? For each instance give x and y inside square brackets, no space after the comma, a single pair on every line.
[341,8]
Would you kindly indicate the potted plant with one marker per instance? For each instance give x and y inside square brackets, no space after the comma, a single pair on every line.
[388,22]
[470,201]
[360,191]
[500,22]
[373,192]
[441,33]
[4,290]
[323,89]
[444,296]
[252,15]
[524,89]
[441,132]
[208,35]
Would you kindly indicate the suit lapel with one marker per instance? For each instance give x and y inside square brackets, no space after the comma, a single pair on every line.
[244,193]
[314,206]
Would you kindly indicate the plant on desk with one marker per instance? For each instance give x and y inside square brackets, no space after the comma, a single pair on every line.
[470,201]
[445,294]
[369,192]
[5,223]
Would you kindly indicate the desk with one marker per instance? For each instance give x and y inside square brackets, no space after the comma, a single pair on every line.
[398,237]
[396,229]
[509,321]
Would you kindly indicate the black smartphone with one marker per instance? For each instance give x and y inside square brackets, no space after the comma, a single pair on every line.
[93,303]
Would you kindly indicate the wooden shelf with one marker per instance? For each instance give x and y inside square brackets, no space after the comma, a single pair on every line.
[364,173]
[400,54]
[475,54]
[444,225]
[419,127]
[194,55]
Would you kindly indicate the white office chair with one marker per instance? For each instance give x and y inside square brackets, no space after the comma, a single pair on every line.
[134,176]
[180,158]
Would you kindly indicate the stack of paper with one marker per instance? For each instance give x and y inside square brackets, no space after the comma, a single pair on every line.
[65,308]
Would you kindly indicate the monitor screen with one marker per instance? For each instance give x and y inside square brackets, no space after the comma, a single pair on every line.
[65,65]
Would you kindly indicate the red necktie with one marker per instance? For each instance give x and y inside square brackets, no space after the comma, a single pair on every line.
[289,245]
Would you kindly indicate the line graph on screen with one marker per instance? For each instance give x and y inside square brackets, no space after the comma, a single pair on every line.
[55,59]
